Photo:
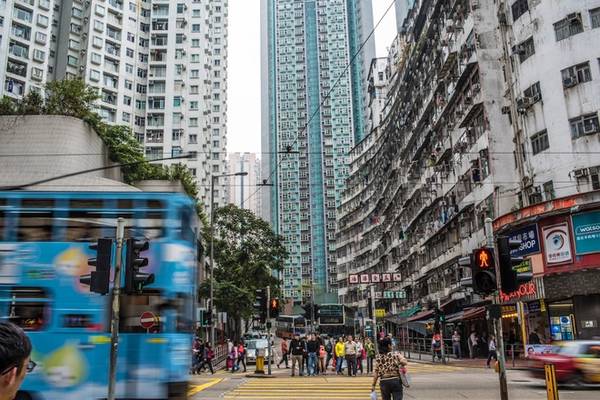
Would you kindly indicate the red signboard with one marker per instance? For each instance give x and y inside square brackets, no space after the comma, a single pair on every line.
[526,289]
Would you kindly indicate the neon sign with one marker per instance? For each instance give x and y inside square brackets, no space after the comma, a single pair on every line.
[526,289]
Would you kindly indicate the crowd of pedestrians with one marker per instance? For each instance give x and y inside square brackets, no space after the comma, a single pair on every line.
[313,354]
[202,356]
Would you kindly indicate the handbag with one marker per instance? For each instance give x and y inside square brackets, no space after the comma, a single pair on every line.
[405,378]
[373,395]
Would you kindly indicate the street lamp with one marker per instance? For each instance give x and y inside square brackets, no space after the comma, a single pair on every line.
[212,250]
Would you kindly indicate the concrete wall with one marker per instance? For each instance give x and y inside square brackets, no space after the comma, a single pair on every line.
[36,147]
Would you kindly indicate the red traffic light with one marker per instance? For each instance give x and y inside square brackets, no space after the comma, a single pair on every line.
[484,258]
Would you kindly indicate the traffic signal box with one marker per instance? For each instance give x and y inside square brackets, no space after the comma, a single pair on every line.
[511,279]
[99,280]
[260,305]
[134,262]
[483,271]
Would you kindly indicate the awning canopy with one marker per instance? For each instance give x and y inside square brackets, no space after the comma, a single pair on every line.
[421,316]
[402,316]
[474,313]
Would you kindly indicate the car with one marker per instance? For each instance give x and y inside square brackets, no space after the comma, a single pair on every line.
[576,362]
[256,344]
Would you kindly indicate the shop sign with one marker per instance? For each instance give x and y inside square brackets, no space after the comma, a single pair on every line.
[534,307]
[524,267]
[526,289]
[380,312]
[557,244]
[537,349]
[586,232]
[530,242]
[389,294]
[353,279]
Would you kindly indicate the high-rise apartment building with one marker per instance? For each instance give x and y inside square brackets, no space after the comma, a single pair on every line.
[242,187]
[311,116]
[159,67]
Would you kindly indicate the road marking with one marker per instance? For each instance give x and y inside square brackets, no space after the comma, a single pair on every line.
[198,388]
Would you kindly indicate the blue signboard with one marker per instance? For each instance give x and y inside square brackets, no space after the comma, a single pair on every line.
[586,232]
[530,242]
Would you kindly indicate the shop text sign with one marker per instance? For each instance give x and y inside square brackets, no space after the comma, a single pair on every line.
[525,290]
[530,243]
[586,232]
[355,279]
[557,244]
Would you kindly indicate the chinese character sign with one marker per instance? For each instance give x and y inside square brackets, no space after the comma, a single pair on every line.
[528,236]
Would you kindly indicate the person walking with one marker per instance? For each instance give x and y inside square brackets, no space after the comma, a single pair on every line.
[456,349]
[492,352]
[388,367]
[241,355]
[350,351]
[209,355]
[322,355]
[330,354]
[296,349]
[472,342]
[284,353]
[370,350]
[233,356]
[196,355]
[312,349]
[339,355]
[436,346]
[360,356]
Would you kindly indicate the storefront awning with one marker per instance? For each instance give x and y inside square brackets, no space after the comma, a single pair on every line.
[474,313]
[421,316]
[455,317]
[402,316]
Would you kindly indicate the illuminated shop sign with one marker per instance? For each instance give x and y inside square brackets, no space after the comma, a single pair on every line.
[586,232]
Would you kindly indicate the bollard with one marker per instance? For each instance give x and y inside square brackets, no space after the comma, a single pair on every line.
[551,387]
[260,365]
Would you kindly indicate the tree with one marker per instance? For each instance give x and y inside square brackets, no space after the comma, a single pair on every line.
[31,104]
[70,97]
[7,106]
[248,256]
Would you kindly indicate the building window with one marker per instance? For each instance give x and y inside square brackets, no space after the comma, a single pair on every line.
[96,58]
[548,189]
[568,27]
[519,8]
[193,139]
[126,117]
[525,49]
[595,17]
[584,125]
[72,61]
[534,93]
[177,101]
[129,52]
[94,75]
[576,74]
[539,142]
[195,42]
[195,27]
[193,122]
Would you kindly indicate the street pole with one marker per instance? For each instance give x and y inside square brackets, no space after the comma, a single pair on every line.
[212,260]
[114,322]
[269,328]
[375,333]
[441,331]
[497,324]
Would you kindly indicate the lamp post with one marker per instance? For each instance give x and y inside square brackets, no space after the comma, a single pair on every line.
[212,250]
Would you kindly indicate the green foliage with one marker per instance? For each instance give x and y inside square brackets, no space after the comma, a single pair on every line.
[31,104]
[248,256]
[7,106]
[70,97]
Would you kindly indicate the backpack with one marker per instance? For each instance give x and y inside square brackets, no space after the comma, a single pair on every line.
[328,347]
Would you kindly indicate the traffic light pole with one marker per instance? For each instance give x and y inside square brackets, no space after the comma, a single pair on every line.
[269,329]
[114,323]
[497,323]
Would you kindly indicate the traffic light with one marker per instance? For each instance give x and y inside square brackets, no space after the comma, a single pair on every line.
[510,278]
[316,309]
[260,304]
[99,280]
[274,308]
[206,316]
[134,279]
[307,311]
[483,271]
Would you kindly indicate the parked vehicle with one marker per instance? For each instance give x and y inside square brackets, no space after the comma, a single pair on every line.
[252,346]
[576,362]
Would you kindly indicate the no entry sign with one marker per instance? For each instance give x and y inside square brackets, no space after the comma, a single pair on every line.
[148,320]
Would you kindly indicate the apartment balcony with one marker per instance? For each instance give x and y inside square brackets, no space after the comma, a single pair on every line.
[116,4]
[17,69]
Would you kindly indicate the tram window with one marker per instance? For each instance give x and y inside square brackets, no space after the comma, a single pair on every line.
[34,227]
[87,203]
[184,308]
[28,308]
[37,203]
[132,308]
[187,232]
[2,226]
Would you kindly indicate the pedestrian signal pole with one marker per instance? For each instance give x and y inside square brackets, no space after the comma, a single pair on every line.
[114,323]
[268,320]
[497,321]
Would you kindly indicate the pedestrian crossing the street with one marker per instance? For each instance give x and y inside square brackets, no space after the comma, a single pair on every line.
[319,387]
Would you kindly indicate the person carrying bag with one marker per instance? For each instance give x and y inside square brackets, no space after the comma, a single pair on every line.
[390,370]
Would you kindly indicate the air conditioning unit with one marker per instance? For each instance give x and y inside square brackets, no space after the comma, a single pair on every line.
[569,82]
[573,17]
[524,103]
[536,97]
[590,128]
[505,109]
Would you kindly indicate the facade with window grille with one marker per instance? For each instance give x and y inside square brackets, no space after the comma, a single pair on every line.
[159,67]
[491,111]
[313,111]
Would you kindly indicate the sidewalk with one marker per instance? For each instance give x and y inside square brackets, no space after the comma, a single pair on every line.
[426,358]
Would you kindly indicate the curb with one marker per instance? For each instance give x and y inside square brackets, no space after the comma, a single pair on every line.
[261,376]
[516,368]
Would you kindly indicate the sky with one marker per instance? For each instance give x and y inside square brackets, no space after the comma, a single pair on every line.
[243,80]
